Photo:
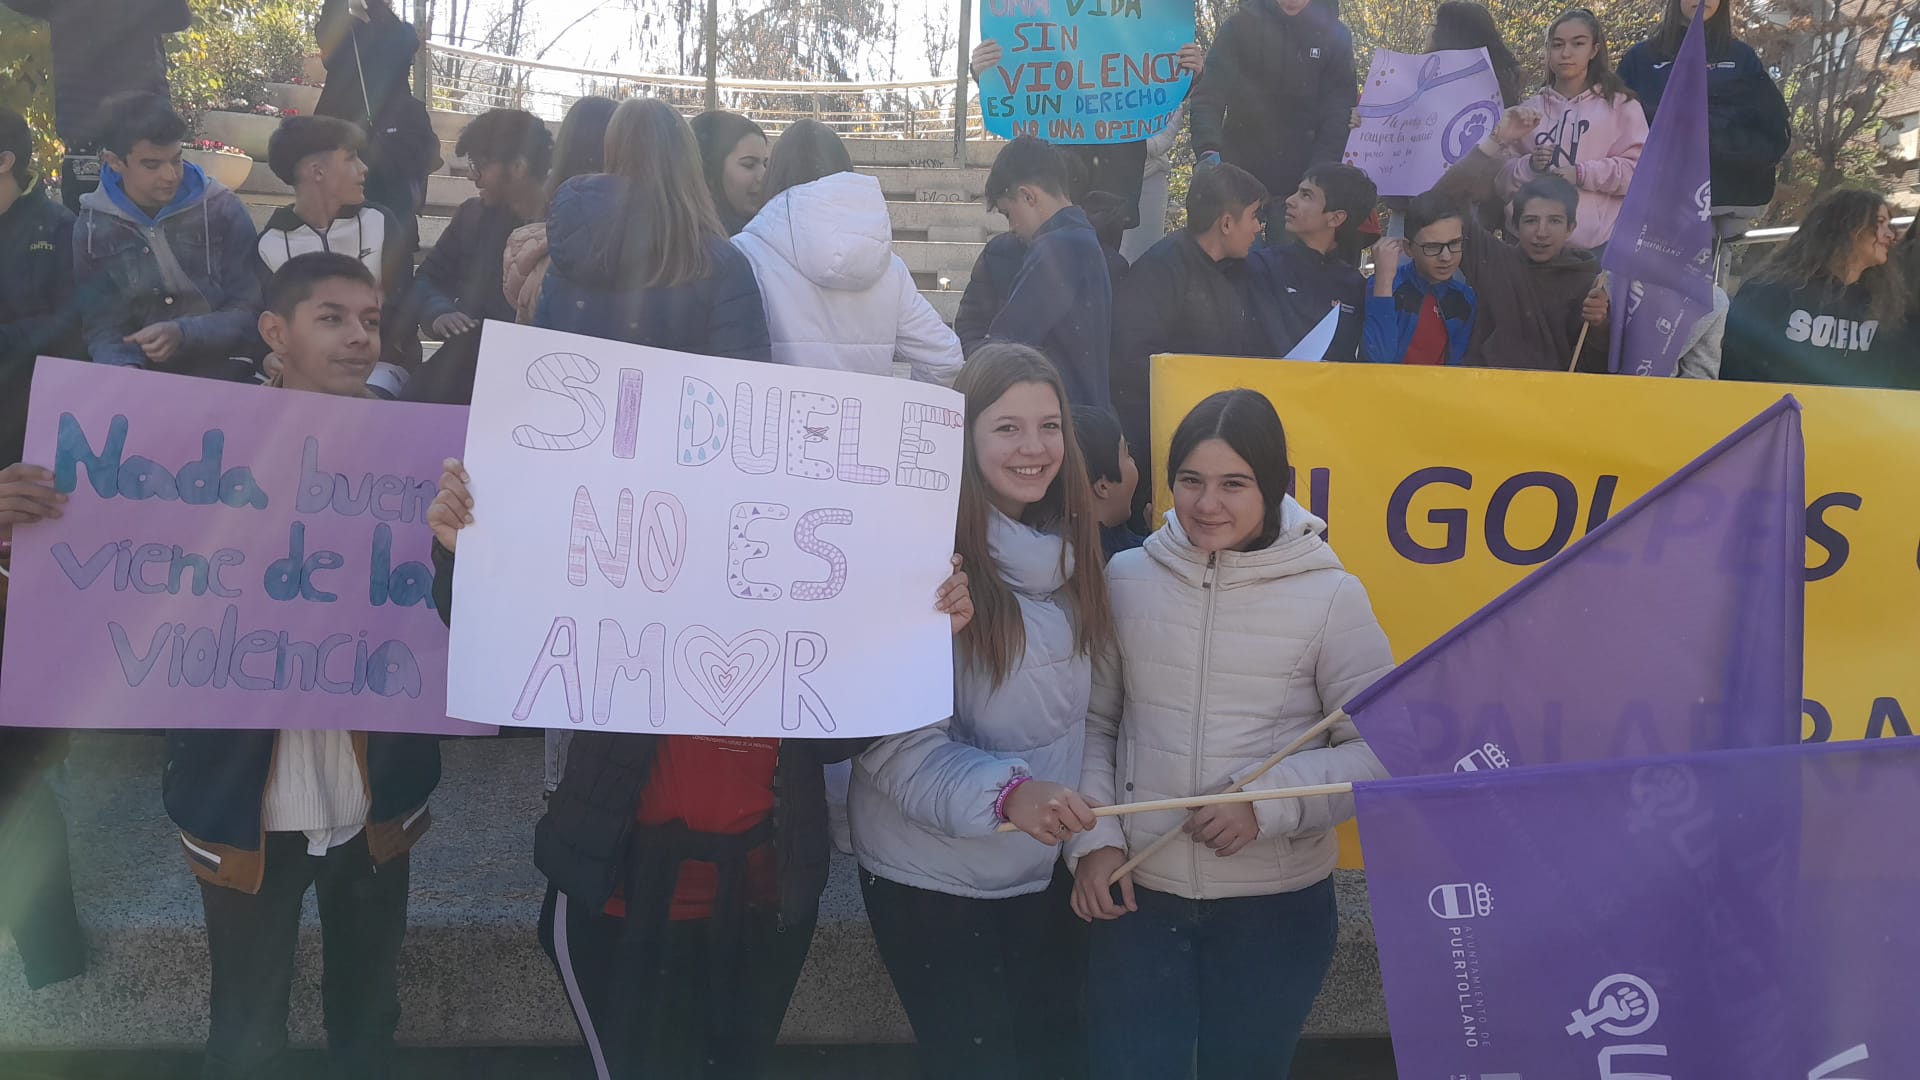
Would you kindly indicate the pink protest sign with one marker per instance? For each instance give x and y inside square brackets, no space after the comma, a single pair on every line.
[1419,114]
[230,557]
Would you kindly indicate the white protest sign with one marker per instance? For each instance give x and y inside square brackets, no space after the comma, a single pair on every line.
[1421,113]
[680,544]
[1319,339]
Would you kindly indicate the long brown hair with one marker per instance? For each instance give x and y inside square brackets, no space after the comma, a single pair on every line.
[1818,250]
[1600,73]
[996,639]
[664,224]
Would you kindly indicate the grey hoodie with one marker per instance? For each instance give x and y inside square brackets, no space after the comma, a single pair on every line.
[194,264]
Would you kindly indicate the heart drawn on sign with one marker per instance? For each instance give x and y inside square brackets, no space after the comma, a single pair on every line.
[721,675]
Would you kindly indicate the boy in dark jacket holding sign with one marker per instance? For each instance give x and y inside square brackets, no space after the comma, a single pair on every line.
[264,815]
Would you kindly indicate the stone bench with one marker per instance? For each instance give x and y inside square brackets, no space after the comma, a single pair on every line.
[472,972]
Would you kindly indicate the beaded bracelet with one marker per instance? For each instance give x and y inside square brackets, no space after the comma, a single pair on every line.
[1000,804]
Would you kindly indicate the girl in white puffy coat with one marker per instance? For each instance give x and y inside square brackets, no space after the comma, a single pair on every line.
[1237,630]
[975,928]
[822,251]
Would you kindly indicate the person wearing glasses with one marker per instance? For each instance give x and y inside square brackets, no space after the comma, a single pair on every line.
[1421,312]
[1189,294]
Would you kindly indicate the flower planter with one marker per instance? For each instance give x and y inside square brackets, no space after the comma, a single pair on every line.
[313,70]
[231,170]
[301,99]
[245,132]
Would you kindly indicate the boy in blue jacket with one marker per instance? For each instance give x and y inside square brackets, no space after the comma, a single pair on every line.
[1062,299]
[163,256]
[1421,312]
[264,815]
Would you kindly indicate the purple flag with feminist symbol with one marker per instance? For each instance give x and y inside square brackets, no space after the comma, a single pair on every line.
[1740,914]
[1659,263]
[1674,626]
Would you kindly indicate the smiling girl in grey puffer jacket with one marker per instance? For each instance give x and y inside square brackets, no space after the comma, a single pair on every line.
[974,927]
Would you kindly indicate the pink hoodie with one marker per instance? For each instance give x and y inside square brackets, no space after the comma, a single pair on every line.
[1604,141]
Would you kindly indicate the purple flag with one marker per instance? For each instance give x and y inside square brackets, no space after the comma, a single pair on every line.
[1659,263]
[1732,915]
[1675,625]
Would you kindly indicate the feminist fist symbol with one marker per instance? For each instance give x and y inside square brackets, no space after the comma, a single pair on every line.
[1467,128]
[1622,1005]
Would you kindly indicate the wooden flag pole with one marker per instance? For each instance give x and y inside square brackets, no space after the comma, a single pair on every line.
[1306,737]
[1194,802]
[1599,282]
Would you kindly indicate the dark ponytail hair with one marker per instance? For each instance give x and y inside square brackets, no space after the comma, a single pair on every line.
[1246,421]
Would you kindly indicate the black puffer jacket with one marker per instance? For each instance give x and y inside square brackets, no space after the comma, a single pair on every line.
[1277,93]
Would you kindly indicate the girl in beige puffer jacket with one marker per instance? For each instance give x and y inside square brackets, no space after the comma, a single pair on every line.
[1237,630]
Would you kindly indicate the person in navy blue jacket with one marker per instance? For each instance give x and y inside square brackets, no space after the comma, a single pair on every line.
[1421,312]
[1062,299]
[639,253]
[1748,128]
[1297,283]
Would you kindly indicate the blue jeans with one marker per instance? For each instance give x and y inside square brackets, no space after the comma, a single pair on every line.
[1224,984]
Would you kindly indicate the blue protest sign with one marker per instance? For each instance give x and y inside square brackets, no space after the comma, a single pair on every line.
[1084,71]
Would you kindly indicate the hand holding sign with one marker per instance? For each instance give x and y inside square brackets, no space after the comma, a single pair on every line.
[452,508]
[27,494]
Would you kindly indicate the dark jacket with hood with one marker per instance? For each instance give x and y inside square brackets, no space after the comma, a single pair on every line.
[102,48]
[37,313]
[721,314]
[1295,286]
[193,263]
[1061,303]
[1277,92]
[1748,127]
[582,843]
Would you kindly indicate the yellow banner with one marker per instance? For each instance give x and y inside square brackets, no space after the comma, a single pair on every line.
[1443,486]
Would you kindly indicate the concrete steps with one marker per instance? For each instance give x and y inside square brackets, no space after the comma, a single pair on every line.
[471,970]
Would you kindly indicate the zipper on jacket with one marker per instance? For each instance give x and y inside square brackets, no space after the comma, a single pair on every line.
[1200,700]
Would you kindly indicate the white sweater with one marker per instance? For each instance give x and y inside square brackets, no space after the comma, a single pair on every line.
[836,294]
[1223,660]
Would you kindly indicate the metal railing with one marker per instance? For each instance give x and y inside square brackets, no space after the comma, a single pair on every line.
[1742,254]
[472,81]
